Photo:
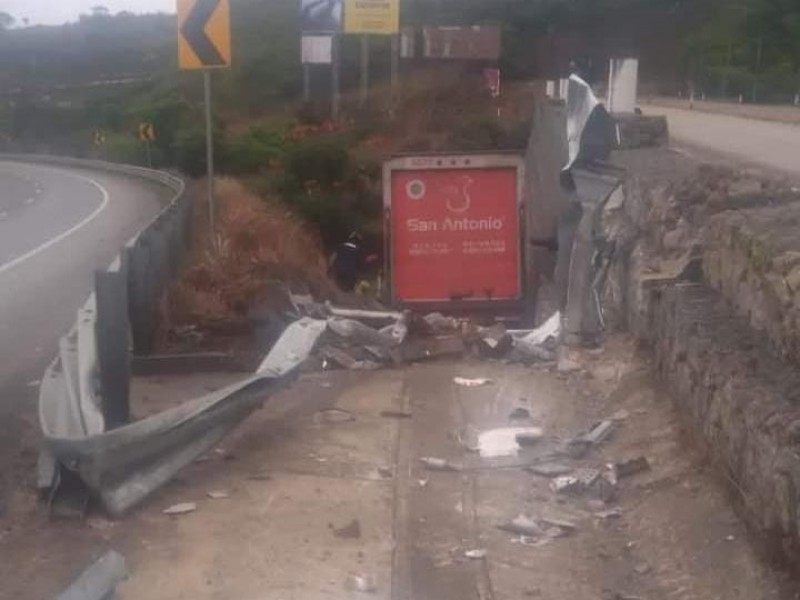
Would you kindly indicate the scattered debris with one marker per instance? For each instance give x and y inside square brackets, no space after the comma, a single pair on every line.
[341,358]
[439,323]
[386,472]
[99,580]
[438,464]
[505,441]
[522,525]
[181,509]
[477,554]
[351,531]
[605,515]
[396,414]
[423,483]
[578,483]
[620,415]
[359,333]
[559,523]
[631,467]
[472,382]
[520,413]
[494,342]
[218,495]
[334,415]
[642,569]
[550,469]
[598,433]
[365,584]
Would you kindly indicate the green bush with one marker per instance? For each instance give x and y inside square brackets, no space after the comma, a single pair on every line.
[323,160]
[253,151]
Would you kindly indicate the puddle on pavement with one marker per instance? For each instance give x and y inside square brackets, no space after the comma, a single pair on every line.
[505,441]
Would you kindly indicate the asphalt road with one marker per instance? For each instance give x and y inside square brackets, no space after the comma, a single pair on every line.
[773,145]
[57,226]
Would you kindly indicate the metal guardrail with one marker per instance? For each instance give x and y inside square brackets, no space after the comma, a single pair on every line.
[85,391]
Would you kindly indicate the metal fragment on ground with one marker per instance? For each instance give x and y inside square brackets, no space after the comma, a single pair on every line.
[464,382]
[550,469]
[334,415]
[218,495]
[437,464]
[599,433]
[360,333]
[631,467]
[522,525]
[99,580]
[181,509]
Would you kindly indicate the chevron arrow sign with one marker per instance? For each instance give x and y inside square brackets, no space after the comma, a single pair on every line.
[204,34]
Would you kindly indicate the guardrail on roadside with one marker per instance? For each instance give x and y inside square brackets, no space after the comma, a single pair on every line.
[86,390]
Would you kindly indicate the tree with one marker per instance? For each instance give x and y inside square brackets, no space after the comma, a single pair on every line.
[6,21]
[100,11]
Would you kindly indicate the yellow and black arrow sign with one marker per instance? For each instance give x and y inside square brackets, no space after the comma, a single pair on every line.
[99,138]
[147,132]
[204,34]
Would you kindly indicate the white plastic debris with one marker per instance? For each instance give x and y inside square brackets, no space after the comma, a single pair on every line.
[366,584]
[181,509]
[437,464]
[218,495]
[505,440]
[549,330]
[477,554]
[472,382]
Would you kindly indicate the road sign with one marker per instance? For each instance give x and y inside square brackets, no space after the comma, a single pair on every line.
[321,16]
[99,138]
[147,132]
[204,34]
[372,16]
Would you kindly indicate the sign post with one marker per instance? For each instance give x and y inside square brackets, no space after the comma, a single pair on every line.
[147,134]
[204,43]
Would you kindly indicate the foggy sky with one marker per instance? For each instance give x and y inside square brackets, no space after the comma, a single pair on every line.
[55,12]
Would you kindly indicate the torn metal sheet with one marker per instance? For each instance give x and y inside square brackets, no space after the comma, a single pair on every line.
[99,580]
[125,465]
[360,333]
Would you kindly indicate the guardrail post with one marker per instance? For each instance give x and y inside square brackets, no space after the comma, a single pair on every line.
[113,352]
[141,306]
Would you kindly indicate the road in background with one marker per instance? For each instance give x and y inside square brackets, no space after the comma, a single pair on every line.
[773,145]
[59,226]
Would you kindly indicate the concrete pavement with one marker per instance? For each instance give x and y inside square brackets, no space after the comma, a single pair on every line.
[773,145]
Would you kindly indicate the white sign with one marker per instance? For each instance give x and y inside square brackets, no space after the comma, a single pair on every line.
[623,84]
[317,50]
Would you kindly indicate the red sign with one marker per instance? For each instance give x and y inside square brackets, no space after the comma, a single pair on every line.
[492,79]
[455,234]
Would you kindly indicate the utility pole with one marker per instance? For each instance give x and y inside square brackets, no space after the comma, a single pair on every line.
[210,153]
[335,92]
[362,99]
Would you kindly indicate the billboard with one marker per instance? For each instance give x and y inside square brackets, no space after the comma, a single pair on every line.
[463,43]
[372,16]
[321,16]
[454,229]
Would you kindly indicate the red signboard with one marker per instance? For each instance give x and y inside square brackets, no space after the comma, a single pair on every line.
[455,232]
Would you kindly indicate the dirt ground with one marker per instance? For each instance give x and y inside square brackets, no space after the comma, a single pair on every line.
[327,498]
[765,112]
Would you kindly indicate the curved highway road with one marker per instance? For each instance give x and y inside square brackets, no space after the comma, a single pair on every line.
[773,145]
[57,226]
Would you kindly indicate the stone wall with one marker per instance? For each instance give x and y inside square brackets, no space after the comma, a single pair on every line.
[706,272]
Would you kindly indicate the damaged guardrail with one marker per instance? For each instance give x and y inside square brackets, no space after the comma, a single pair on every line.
[124,465]
[84,394]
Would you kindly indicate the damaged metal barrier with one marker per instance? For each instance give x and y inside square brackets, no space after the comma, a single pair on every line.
[123,466]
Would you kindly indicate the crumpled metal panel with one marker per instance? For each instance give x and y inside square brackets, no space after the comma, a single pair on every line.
[125,465]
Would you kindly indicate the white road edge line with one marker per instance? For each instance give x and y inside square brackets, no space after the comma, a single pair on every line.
[62,236]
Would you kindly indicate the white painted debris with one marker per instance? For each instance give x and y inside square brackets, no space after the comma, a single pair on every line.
[620,415]
[505,441]
[218,495]
[181,509]
[614,513]
[472,382]
[366,584]
[549,330]
[477,554]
